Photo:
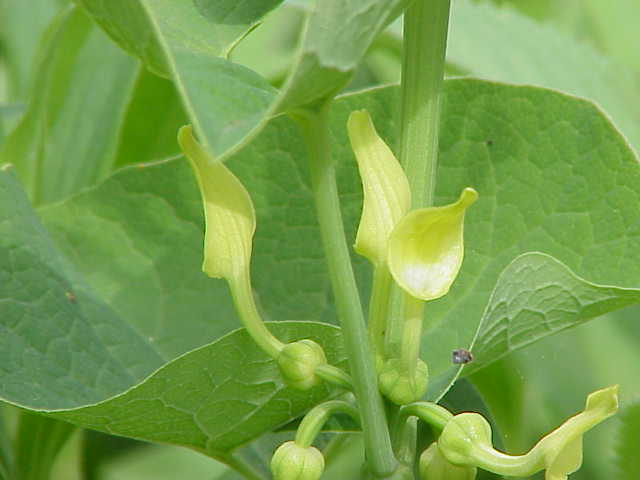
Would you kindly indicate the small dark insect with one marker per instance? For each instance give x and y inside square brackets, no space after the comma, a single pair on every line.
[461,356]
[70,296]
[489,142]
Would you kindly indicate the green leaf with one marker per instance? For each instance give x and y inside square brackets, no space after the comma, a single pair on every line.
[230,12]
[337,36]
[56,333]
[516,49]
[153,116]
[149,246]
[86,366]
[627,460]
[213,399]
[224,101]
[536,296]
[82,79]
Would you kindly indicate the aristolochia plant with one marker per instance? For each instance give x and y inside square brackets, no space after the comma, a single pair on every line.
[422,250]
[368,252]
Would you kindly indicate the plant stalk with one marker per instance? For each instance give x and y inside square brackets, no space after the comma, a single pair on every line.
[378,308]
[379,454]
[242,295]
[426,24]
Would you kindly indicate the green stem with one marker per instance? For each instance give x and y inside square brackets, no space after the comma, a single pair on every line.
[335,375]
[378,310]
[38,442]
[314,126]
[246,307]
[426,23]
[411,334]
[430,413]
[425,38]
[313,421]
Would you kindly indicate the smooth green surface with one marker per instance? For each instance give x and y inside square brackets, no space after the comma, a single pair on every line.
[58,148]
[627,460]
[232,12]
[153,116]
[614,30]
[537,296]
[162,462]
[21,25]
[223,100]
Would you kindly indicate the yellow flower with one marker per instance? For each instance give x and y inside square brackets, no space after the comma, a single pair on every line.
[427,246]
[229,214]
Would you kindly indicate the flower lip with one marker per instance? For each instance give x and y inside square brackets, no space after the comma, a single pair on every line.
[426,248]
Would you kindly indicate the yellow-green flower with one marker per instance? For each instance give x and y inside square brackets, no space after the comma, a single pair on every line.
[427,246]
[466,441]
[229,214]
[387,196]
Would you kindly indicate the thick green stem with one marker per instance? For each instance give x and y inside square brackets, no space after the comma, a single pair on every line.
[378,310]
[426,23]
[313,421]
[376,433]
[246,308]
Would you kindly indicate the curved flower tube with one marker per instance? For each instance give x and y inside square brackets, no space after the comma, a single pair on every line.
[230,222]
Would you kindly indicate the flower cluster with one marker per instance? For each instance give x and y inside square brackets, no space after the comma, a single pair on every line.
[420,251]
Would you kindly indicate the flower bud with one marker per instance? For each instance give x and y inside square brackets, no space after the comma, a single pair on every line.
[462,436]
[398,386]
[433,466]
[426,248]
[298,362]
[293,462]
